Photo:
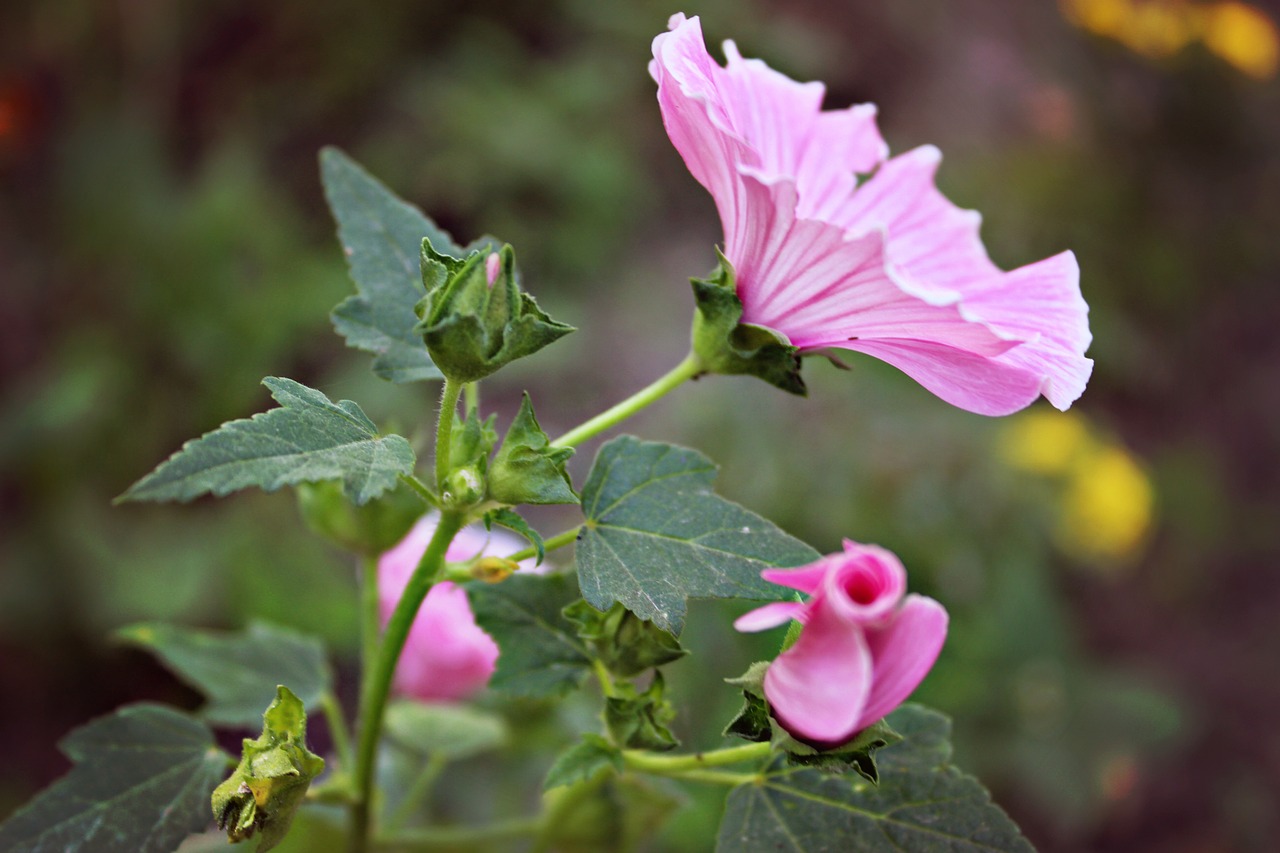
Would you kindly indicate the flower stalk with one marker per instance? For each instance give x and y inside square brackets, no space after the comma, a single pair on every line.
[688,369]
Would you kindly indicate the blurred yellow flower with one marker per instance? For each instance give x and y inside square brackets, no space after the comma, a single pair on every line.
[1105,502]
[1044,442]
[1107,508]
[1236,32]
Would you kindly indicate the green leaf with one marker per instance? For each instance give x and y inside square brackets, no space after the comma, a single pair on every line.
[381,237]
[922,804]
[724,344]
[238,671]
[656,535]
[512,520]
[263,794]
[308,439]
[583,760]
[540,653]
[141,782]
[451,731]
[527,469]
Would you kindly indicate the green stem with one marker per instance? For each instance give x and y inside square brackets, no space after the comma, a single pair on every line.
[607,687]
[557,541]
[369,615]
[718,777]
[459,837]
[421,489]
[337,721]
[685,370]
[667,765]
[444,429]
[416,796]
[471,393]
[377,681]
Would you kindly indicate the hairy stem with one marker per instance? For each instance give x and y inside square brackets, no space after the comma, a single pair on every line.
[377,680]
[685,370]
[444,429]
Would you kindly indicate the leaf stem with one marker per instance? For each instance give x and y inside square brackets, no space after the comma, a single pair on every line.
[685,370]
[667,765]
[337,721]
[557,541]
[420,488]
[416,796]
[457,837]
[607,686]
[377,680]
[444,429]
[471,392]
[369,616]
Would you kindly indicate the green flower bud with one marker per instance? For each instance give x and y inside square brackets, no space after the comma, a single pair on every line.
[475,318]
[369,529]
[463,487]
[527,469]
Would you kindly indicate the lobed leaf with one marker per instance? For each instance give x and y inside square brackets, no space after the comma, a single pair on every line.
[540,653]
[238,672]
[140,784]
[922,804]
[657,535]
[308,439]
[381,236]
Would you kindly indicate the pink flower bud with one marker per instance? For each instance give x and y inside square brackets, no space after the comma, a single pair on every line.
[863,650]
[447,656]
[492,266]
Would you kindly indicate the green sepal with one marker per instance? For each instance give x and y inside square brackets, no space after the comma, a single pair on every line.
[472,328]
[263,794]
[639,721]
[471,441]
[512,520]
[626,644]
[582,761]
[725,344]
[369,529]
[526,468]
[755,723]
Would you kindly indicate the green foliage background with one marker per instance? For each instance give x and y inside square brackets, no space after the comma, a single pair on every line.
[164,244]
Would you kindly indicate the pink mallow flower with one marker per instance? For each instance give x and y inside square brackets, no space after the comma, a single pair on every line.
[446,656]
[888,267]
[863,649]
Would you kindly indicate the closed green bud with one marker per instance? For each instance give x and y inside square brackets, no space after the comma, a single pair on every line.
[526,468]
[463,487]
[369,529]
[475,318]
[626,644]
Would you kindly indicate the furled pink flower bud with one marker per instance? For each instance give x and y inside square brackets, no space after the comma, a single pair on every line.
[863,650]
[446,656]
[492,266]
[888,267]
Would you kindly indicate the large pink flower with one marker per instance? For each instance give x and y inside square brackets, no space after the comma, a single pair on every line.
[863,650]
[447,656]
[888,266]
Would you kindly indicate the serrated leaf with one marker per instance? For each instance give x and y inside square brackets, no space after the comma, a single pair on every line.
[539,650]
[308,439]
[922,804]
[451,731]
[657,535]
[140,784]
[381,236]
[238,671]
[583,760]
[513,521]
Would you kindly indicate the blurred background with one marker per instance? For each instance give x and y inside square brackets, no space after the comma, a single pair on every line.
[1111,572]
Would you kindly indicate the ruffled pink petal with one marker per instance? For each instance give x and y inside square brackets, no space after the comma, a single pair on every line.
[902,653]
[865,584]
[447,656]
[769,616]
[1041,302]
[822,288]
[975,383]
[818,688]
